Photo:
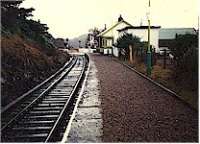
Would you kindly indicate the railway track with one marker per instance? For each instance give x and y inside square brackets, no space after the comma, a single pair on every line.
[42,114]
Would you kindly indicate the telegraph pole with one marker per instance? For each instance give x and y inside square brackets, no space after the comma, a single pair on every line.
[149,67]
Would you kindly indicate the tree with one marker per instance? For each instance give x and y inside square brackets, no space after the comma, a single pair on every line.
[9,11]
[12,15]
[79,43]
[66,43]
[92,33]
[127,39]
[185,51]
[15,20]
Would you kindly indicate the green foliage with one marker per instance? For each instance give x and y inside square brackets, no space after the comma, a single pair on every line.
[128,39]
[9,11]
[185,52]
[139,48]
[15,20]
[12,15]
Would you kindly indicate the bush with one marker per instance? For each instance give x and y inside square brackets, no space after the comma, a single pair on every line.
[15,21]
[125,40]
[139,48]
[185,51]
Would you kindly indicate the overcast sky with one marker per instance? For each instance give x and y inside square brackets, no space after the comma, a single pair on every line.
[71,18]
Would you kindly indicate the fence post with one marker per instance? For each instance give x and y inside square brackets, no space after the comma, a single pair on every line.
[131,53]
[154,57]
[165,56]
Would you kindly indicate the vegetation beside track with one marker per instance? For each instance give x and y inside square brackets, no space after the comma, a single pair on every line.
[28,55]
[180,74]
[165,77]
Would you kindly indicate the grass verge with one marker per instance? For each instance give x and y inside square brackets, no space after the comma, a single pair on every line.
[165,77]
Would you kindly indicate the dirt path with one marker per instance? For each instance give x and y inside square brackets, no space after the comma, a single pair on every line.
[135,110]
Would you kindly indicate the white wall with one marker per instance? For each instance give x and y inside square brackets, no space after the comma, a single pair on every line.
[107,51]
[83,50]
[143,34]
[114,33]
[116,51]
[109,42]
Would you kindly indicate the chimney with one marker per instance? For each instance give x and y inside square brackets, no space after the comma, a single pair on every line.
[120,18]
[105,27]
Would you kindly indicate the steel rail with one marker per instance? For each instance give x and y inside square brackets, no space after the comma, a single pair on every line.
[56,125]
[66,133]
[36,87]
[44,92]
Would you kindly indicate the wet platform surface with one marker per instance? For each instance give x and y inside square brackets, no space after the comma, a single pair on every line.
[87,124]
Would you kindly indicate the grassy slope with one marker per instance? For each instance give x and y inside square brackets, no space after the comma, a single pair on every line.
[25,64]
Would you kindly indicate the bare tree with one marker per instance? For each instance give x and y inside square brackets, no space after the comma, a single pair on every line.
[79,43]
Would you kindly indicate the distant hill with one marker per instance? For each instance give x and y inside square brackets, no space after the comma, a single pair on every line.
[75,41]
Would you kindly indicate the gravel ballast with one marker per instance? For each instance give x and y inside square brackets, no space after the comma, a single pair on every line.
[135,110]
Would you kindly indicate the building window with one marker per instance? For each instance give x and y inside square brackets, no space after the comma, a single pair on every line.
[104,42]
[109,42]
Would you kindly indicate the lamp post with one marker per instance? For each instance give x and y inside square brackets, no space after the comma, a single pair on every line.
[149,68]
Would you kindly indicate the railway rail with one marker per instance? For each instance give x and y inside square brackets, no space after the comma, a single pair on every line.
[42,114]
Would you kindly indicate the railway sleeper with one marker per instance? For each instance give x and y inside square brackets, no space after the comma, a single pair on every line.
[44,116]
[33,123]
[56,98]
[73,73]
[44,112]
[48,108]
[61,90]
[65,90]
[51,104]
[66,85]
[57,94]
[28,138]
[36,122]
[78,69]
[31,129]
[71,78]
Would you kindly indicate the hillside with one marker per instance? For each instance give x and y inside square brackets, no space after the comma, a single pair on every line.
[24,65]
[75,41]
[28,54]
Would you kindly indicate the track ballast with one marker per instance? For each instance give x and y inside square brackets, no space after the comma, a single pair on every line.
[43,114]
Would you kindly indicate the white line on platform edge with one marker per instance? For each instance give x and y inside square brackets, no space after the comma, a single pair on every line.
[66,133]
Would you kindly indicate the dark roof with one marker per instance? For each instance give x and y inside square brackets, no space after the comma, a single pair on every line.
[107,30]
[139,27]
[170,33]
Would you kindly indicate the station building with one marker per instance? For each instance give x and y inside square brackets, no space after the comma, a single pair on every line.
[159,37]
[109,36]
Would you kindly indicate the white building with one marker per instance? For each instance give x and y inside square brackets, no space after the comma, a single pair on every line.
[109,36]
[142,33]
